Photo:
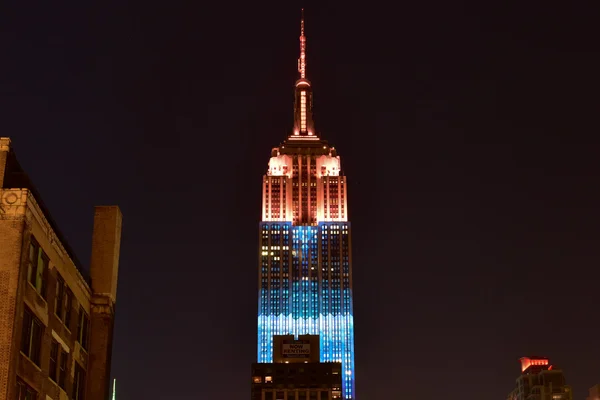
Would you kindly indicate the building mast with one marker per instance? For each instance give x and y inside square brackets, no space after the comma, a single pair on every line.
[302,59]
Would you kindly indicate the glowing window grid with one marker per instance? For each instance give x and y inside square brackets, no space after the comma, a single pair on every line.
[299,295]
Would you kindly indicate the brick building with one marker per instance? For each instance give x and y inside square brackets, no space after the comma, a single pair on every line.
[56,323]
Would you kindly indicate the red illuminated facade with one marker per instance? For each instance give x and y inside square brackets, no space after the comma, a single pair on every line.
[527,362]
[303,184]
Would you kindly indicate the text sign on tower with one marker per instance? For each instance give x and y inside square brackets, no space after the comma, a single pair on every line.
[295,349]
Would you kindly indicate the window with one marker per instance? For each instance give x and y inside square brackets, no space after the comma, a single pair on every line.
[78,382]
[83,329]
[37,268]
[59,301]
[52,370]
[25,392]
[68,308]
[63,302]
[58,364]
[31,337]
[62,369]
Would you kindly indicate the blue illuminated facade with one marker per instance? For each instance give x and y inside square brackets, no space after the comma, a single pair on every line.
[305,289]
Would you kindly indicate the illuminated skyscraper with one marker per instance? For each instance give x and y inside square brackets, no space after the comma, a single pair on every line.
[305,262]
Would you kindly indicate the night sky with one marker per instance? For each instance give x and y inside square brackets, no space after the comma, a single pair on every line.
[468,132]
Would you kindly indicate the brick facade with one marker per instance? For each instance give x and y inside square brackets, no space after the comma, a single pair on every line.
[11,234]
[104,269]
[60,300]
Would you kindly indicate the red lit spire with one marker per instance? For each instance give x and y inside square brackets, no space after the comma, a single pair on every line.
[302,59]
[303,123]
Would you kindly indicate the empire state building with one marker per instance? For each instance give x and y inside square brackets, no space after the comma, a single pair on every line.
[305,259]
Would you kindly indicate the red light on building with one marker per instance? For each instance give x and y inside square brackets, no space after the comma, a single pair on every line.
[527,362]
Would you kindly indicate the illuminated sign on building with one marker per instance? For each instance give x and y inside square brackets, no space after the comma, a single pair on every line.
[295,349]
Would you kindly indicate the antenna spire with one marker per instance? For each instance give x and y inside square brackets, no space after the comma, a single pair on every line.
[302,59]
[303,123]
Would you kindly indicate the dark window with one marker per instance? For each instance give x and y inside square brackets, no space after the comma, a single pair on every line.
[59,301]
[58,364]
[52,370]
[37,268]
[62,368]
[324,395]
[68,308]
[83,329]
[25,392]
[78,382]
[63,302]
[31,336]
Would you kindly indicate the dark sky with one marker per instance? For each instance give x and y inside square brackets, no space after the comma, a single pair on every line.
[468,132]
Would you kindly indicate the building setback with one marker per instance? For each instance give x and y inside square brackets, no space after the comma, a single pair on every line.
[296,373]
[56,324]
[304,255]
[307,381]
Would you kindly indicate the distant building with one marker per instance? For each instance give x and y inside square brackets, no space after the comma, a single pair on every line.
[296,373]
[56,324]
[594,393]
[539,380]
